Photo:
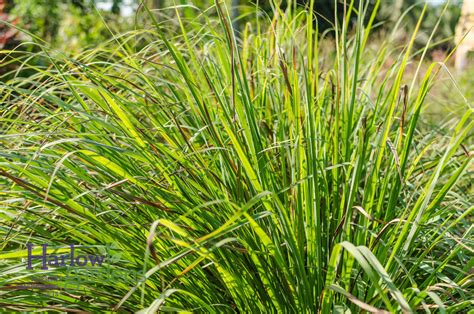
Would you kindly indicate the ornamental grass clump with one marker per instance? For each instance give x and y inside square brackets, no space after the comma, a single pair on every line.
[277,170]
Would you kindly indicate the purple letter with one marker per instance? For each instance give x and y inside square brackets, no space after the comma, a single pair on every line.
[96,259]
[31,256]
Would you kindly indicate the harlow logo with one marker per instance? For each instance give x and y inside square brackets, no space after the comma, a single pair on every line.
[62,260]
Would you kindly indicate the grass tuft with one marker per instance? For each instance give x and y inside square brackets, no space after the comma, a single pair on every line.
[273,171]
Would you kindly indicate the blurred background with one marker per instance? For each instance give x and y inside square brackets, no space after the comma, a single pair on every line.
[75,24]
[72,26]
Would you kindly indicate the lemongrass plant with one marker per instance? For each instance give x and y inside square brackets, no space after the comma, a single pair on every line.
[261,172]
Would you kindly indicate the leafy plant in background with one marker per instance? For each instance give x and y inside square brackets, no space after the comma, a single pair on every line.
[91,28]
[69,26]
[8,35]
[249,175]
[41,17]
[57,21]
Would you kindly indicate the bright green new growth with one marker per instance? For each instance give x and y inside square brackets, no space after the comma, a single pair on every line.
[260,173]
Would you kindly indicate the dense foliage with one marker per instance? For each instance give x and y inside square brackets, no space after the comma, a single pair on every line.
[278,171]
